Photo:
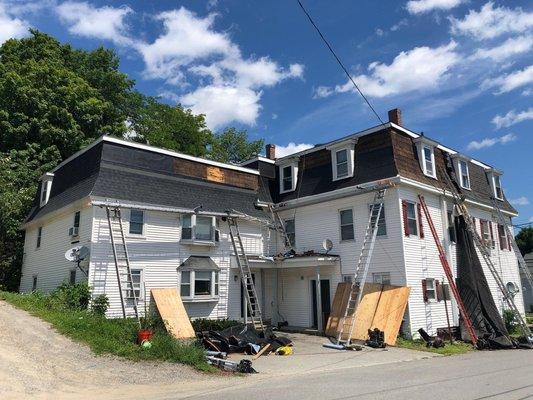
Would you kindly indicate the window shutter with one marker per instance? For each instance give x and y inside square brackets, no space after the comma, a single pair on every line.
[420,223]
[508,242]
[424,291]
[491,234]
[502,236]
[405,221]
[438,289]
[482,229]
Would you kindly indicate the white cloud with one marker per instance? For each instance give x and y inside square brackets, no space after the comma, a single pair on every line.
[490,22]
[10,26]
[489,142]
[399,24]
[291,148]
[508,82]
[222,104]
[509,48]
[512,117]
[323,91]
[424,6]
[521,201]
[230,85]
[380,32]
[421,68]
[106,22]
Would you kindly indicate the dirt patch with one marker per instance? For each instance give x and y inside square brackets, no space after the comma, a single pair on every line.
[35,359]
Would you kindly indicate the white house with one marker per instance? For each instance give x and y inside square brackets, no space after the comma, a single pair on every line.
[174,207]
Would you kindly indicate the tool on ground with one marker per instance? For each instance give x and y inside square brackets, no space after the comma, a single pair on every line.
[122,261]
[485,253]
[243,366]
[448,272]
[347,322]
[246,274]
[431,341]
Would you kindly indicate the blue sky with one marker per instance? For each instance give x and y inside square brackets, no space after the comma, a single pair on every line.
[460,70]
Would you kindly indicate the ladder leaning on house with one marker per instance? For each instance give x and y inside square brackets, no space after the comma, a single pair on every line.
[122,261]
[347,322]
[509,234]
[448,272]
[485,253]
[247,280]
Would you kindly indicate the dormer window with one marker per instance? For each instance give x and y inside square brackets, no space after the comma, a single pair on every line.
[288,175]
[464,176]
[342,159]
[494,177]
[426,155]
[46,187]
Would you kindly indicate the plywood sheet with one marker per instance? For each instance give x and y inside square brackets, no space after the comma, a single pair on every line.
[173,313]
[382,307]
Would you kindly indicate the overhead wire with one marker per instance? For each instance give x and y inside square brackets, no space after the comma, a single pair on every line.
[339,61]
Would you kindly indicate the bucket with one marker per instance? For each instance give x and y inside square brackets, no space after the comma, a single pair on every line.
[144,334]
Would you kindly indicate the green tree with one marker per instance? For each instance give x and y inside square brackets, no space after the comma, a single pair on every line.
[54,95]
[233,146]
[20,171]
[170,127]
[524,240]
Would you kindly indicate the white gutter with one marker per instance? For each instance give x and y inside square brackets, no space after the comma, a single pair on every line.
[337,194]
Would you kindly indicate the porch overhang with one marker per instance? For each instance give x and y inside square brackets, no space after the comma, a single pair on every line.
[309,261]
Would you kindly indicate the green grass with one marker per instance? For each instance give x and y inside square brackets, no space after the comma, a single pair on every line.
[110,336]
[447,350]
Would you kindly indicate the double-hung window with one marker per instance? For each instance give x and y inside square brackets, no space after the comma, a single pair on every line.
[198,228]
[346,222]
[464,175]
[287,178]
[429,161]
[136,279]
[341,160]
[430,289]
[502,237]
[290,230]
[412,222]
[382,278]
[199,284]
[486,232]
[136,222]
[498,192]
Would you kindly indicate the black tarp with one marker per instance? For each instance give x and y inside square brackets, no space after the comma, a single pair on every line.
[475,293]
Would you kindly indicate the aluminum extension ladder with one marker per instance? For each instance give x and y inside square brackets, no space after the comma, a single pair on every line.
[448,272]
[122,260]
[521,262]
[485,253]
[279,226]
[363,264]
[246,274]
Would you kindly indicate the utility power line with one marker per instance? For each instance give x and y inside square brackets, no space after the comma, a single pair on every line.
[339,61]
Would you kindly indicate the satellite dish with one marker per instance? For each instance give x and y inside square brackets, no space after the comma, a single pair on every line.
[512,288]
[76,254]
[327,245]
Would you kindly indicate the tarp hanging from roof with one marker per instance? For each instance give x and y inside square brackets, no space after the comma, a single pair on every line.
[199,263]
[475,292]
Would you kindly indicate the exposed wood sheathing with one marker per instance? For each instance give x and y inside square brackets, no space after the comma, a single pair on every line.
[173,313]
[382,307]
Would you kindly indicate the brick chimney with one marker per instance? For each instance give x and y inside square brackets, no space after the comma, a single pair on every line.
[395,116]
[271,151]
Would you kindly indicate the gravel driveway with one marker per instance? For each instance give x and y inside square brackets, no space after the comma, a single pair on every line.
[36,361]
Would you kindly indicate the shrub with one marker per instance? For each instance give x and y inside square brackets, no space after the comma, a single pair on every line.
[100,304]
[509,318]
[202,324]
[70,296]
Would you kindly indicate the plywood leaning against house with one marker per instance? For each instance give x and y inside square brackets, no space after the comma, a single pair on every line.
[382,307]
[173,313]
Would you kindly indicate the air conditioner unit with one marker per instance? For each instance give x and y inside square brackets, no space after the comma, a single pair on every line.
[73,231]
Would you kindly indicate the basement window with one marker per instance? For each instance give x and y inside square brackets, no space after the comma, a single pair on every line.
[382,278]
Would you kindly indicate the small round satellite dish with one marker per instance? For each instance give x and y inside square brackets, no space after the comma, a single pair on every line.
[77,253]
[327,245]
[512,288]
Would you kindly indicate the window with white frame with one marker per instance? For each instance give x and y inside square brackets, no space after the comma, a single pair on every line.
[44,191]
[136,222]
[287,177]
[430,290]
[412,222]
[199,284]
[136,279]
[46,187]
[346,223]
[498,192]
[39,236]
[464,176]
[382,224]
[290,230]
[429,160]
[382,278]
[486,232]
[198,228]
[342,161]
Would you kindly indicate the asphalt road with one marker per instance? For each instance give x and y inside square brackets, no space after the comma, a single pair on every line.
[478,375]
